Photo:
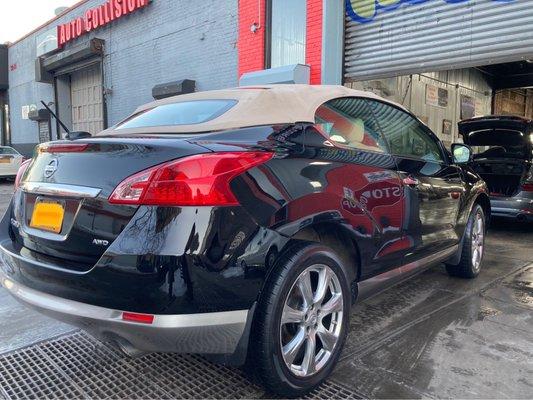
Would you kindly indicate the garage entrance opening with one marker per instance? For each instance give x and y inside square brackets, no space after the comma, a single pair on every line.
[503,145]
[488,107]
[439,99]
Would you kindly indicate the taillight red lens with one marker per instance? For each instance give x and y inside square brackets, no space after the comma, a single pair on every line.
[22,169]
[131,190]
[527,187]
[63,148]
[200,180]
[139,318]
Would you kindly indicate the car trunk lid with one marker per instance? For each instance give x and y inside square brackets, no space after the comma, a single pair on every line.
[62,208]
[502,151]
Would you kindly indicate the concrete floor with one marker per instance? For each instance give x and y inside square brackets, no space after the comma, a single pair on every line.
[437,336]
[433,336]
[20,327]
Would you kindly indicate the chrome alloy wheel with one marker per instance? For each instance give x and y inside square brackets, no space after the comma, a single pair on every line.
[478,241]
[311,321]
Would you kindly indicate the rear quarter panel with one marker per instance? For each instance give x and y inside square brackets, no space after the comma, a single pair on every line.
[302,186]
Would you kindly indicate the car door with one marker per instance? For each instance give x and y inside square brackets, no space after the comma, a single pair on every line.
[432,185]
[363,174]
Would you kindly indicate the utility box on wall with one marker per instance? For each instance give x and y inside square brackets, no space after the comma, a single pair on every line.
[44,125]
[4,68]
[176,88]
[297,73]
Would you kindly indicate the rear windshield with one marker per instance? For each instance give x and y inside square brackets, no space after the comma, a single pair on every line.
[184,113]
[498,143]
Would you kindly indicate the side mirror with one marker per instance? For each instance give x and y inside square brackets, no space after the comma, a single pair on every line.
[461,153]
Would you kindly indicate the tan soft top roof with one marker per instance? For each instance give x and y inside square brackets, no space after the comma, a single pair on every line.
[257,105]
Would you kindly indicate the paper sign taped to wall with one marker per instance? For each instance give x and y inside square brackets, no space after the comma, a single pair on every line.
[25,112]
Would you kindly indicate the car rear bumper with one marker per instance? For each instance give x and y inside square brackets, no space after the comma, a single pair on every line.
[166,261]
[206,333]
[520,207]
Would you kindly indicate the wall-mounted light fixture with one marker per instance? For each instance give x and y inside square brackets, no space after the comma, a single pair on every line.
[256,26]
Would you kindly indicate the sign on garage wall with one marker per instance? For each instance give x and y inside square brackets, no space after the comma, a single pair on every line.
[26,110]
[97,18]
[447,128]
[468,107]
[436,96]
[44,131]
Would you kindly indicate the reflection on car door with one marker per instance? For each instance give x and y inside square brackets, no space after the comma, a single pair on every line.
[367,179]
[432,187]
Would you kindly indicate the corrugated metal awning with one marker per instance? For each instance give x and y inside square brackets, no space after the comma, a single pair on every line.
[404,38]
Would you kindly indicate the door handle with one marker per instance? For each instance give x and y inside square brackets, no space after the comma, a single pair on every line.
[410,181]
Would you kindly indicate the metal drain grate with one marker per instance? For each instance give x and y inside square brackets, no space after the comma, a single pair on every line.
[78,366]
[28,374]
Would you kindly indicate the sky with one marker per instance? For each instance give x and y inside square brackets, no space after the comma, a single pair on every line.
[19,17]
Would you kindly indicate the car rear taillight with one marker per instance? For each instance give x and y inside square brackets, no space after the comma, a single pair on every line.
[199,180]
[22,169]
[527,187]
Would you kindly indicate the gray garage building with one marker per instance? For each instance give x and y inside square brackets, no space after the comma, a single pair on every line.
[97,61]
[446,60]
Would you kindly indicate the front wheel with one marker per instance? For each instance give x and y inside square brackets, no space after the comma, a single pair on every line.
[302,321]
[473,246]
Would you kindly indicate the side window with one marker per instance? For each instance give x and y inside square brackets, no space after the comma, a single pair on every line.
[405,134]
[350,122]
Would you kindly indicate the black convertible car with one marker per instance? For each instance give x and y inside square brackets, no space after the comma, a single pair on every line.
[242,224]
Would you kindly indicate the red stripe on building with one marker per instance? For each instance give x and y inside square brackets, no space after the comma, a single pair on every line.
[251,46]
[313,53]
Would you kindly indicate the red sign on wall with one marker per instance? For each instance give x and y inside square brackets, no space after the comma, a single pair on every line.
[96,18]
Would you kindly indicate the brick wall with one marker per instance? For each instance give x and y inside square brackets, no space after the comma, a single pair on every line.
[313,56]
[251,45]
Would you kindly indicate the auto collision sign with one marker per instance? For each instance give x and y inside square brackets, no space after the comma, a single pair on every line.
[97,17]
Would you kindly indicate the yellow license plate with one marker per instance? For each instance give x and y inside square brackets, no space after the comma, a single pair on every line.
[5,160]
[48,216]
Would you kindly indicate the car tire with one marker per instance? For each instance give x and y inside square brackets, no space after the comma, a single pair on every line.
[473,246]
[296,342]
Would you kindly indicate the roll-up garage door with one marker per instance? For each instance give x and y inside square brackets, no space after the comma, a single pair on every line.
[400,37]
[87,99]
